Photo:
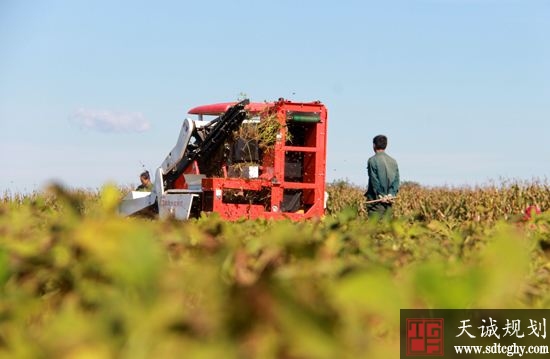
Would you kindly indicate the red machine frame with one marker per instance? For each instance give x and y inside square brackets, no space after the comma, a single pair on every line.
[291,174]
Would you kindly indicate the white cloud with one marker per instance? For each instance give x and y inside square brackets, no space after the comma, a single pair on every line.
[110,121]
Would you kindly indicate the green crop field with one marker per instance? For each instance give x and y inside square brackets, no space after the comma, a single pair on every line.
[78,281]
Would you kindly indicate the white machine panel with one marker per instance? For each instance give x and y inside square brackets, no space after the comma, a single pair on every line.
[176,205]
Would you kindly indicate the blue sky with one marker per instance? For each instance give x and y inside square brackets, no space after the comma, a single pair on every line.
[92,91]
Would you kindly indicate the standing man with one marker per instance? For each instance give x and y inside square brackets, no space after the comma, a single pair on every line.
[146,185]
[383,179]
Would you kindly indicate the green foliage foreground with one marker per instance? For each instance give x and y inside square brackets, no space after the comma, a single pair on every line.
[77,281]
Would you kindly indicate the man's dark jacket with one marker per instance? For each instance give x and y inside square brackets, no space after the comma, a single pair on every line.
[383,176]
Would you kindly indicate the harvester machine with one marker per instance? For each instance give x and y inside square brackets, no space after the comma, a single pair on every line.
[250,160]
